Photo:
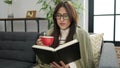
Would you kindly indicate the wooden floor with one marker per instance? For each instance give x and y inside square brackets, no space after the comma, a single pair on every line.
[118,53]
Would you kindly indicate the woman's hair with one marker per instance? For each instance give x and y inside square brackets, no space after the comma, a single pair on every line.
[73,17]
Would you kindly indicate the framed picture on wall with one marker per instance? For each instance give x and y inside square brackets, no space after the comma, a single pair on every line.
[31,14]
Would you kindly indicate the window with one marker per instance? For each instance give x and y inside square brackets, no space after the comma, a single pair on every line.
[104,17]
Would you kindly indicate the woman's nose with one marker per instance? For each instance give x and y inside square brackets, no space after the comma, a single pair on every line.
[62,19]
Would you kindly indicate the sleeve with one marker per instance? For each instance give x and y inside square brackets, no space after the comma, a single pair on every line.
[86,60]
[39,64]
[89,52]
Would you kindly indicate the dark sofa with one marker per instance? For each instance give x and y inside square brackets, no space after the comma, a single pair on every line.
[15,49]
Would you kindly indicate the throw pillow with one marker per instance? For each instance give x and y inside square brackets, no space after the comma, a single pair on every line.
[96,42]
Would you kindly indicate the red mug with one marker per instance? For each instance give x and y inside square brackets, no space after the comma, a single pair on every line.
[47,40]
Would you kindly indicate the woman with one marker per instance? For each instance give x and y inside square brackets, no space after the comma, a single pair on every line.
[66,29]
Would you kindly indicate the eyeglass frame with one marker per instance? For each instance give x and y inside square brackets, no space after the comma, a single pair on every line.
[62,15]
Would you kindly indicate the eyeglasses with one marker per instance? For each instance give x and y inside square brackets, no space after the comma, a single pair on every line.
[65,16]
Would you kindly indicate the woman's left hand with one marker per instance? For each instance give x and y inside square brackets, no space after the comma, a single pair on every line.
[61,65]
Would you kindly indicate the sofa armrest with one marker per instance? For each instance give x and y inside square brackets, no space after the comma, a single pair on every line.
[108,57]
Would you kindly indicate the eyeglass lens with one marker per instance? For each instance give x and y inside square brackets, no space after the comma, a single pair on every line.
[65,16]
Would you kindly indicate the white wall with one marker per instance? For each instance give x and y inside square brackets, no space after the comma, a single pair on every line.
[85,15]
[20,7]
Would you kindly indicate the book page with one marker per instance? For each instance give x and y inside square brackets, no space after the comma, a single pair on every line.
[43,47]
[57,48]
[66,44]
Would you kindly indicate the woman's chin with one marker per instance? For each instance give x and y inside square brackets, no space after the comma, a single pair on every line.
[63,28]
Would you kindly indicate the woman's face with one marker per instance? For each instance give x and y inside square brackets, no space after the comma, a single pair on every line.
[62,18]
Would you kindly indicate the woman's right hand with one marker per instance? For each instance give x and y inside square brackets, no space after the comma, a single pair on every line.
[38,42]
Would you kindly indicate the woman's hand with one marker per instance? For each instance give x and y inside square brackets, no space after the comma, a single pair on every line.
[38,42]
[61,65]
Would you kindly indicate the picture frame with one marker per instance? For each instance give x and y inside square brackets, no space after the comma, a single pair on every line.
[31,14]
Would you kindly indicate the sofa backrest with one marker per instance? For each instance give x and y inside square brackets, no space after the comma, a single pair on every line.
[18,45]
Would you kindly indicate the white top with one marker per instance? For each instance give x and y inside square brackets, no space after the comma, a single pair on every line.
[64,34]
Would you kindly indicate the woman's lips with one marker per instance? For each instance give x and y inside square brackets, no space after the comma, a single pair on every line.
[62,24]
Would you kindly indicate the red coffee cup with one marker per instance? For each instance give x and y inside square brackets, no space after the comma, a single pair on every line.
[47,40]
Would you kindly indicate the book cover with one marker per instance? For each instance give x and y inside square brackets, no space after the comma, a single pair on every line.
[67,52]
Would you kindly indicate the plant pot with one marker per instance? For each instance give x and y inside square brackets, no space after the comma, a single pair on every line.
[10,11]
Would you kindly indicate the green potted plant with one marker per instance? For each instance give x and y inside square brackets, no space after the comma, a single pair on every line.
[49,6]
[8,1]
[10,11]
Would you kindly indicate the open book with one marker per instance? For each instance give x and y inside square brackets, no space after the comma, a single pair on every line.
[67,52]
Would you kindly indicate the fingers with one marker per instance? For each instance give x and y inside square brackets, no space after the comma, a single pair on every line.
[61,65]
[52,65]
[38,42]
[55,65]
[64,65]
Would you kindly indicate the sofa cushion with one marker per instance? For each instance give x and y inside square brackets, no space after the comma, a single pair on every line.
[96,41]
[18,36]
[17,46]
[4,63]
[108,57]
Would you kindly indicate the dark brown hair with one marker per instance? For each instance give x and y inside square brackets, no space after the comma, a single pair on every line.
[73,19]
